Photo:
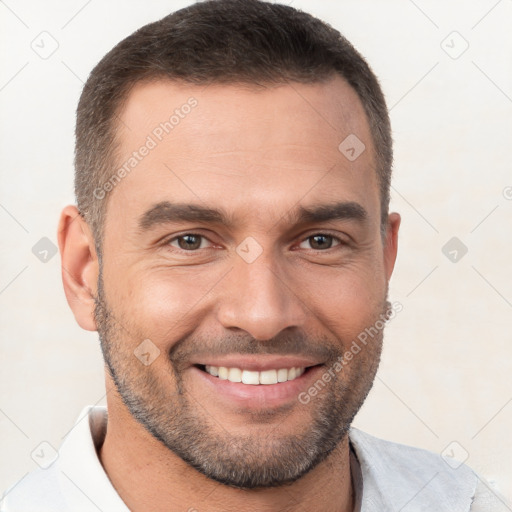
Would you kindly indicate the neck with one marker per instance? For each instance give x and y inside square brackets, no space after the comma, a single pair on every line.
[148,476]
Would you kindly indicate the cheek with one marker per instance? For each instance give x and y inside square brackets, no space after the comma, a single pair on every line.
[163,304]
[347,300]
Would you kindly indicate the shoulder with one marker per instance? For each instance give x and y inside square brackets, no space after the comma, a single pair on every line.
[75,475]
[488,499]
[395,475]
[410,457]
[36,491]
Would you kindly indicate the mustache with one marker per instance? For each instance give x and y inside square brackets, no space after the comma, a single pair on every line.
[285,344]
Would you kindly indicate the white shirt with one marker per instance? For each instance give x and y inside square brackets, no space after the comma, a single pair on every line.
[387,477]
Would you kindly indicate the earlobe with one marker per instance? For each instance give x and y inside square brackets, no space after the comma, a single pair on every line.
[391,243]
[80,267]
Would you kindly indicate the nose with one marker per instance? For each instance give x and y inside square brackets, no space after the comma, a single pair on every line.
[260,298]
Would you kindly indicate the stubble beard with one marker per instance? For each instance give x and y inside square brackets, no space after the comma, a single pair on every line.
[266,457]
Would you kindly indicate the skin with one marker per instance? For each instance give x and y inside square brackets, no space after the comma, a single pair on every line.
[172,442]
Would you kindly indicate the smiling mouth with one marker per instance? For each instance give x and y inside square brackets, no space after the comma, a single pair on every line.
[250,377]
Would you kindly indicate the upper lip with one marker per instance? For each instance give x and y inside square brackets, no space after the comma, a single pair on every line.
[258,362]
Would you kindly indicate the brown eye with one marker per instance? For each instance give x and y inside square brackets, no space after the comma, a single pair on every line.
[321,241]
[188,242]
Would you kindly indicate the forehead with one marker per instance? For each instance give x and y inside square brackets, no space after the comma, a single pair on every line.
[236,145]
[288,113]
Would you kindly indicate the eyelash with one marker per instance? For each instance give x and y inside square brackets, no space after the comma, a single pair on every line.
[339,240]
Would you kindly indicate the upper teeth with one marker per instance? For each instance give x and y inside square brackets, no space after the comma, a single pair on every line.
[252,377]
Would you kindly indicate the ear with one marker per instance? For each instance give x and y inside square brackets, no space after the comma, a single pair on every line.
[80,266]
[391,243]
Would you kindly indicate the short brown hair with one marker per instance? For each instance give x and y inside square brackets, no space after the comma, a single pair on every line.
[217,41]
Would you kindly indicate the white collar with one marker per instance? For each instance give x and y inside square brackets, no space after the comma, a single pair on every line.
[80,465]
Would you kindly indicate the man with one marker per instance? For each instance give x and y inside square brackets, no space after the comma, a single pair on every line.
[231,243]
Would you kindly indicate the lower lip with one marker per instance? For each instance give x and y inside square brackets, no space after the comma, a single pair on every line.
[257,396]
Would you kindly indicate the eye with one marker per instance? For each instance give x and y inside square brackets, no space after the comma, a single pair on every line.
[321,241]
[192,242]
[188,242]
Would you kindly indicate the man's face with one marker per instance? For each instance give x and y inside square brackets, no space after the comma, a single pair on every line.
[264,290]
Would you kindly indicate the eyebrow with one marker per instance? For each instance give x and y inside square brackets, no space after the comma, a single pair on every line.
[166,212]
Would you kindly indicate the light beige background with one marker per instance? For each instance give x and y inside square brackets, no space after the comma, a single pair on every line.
[447,362]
